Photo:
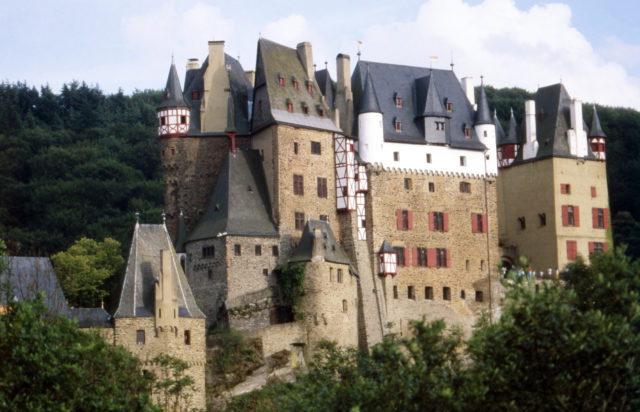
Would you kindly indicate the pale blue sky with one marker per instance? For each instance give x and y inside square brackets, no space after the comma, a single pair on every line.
[592,46]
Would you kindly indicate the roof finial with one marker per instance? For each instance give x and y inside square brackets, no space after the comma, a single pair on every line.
[164,217]
[451,64]
[137,217]
[326,65]
[172,60]
[481,80]
[359,44]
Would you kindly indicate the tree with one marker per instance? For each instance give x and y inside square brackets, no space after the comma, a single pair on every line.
[49,364]
[88,270]
[173,387]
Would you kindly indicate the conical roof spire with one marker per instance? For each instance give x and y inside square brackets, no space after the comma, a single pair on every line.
[369,98]
[500,135]
[433,103]
[483,115]
[596,129]
[182,234]
[173,96]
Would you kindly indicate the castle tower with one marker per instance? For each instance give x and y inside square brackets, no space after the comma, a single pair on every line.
[370,128]
[485,129]
[508,145]
[434,114]
[173,112]
[597,137]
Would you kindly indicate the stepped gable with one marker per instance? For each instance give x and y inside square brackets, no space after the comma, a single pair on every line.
[241,88]
[275,61]
[137,298]
[331,250]
[412,85]
[239,204]
[327,87]
[173,91]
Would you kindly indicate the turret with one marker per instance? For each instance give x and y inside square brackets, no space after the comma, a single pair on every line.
[508,145]
[434,115]
[486,130]
[370,130]
[597,137]
[174,112]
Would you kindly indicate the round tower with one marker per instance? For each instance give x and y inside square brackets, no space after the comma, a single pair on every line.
[485,129]
[597,137]
[508,145]
[370,131]
[173,112]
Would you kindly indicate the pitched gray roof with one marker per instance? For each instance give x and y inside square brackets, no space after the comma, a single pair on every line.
[137,297]
[173,91]
[271,99]
[500,135]
[483,115]
[386,247]
[433,104]
[240,203]
[326,85]
[332,250]
[28,276]
[511,137]
[412,85]
[90,317]
[596,129]
[369,102]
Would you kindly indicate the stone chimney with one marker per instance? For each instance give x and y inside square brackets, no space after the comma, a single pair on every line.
[318,244]
[166,302]
[193,64]
[530,147]
[344,95]
[306,57]
[467,85]
[251,74]
[213,108]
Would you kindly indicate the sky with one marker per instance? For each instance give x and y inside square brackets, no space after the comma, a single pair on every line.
[591,46]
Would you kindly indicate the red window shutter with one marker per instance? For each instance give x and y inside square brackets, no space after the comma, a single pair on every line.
[407,257]
[414,253]
[593,191]
[594,218]
[563,188]
[572,249]
[431,258]
[484,223]
[410,219]
[590,247]
[399,218]
[448,253]
[604,247]
[576,216]
[474,223]
[431,221]
[445,221]
[565,216]
[606,218]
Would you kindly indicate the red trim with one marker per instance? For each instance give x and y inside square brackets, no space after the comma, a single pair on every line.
[399,218]
[594,219]
[448,254]
[593,191]
[606,218]
[445,220]
[572,249]
[591,247]
[431,258]
[407,256]
[604,247]
[576,216]
[484,224]
[414,256]
[410,218]
[474,223]
[565,215]
[431,221]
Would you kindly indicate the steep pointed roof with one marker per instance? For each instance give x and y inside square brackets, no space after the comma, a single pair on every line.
[231,117]
[500,135]
[173,96]
[325,83]
[369,102]
[182,233]
[433,102]
[596,129]
[331,249]
[240,203]
[483,114]
[511,137]
[137,296]
[386,247]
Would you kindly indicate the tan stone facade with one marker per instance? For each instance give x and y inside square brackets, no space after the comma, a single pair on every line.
[534,194]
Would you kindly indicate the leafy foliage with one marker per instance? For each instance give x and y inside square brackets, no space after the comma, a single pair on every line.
[88,271]
[49,364]
[173,386]
[291,280]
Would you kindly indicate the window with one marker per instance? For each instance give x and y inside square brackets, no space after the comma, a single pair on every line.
[322,187]
[428,157]
[163,121]
[449,107]
[274,250]
[570,215]
[398,125]
[404,219]
[463,295]
[298,185]
[396,156]
[432,187]
[485,134]
[195,95]
[442,258]
[315,148]
[344,306]
[295,84]
[467,265]
[478,223]
[400,251]
[438,222]
[330,274]
[465,187]
[411,292]
[339,276]
[446,293]
[280,79]
[479,296]
[421,256]
[208,252]
[395,292]
[237,250]
[565,188]
[290,106]
[600,218]
[398,102]
[265,272]
[482,265]
[305,108]
[439,125]
[543,219]
[295,147]
[467,133]
[173,151]
[428,292]
[463,160]
[522,222]
[140,337]
[310,87]
[258,250]
[597,247]
[324,218]
[187,337]
[572,250]
[183,119]
[407,183]
[593,191]
[299,220]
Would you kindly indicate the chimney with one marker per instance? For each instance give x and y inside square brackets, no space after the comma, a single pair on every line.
[576,115]
[467,85]
[530,120]
[251,74]
[216,54]
[306,57]
[343,62]
[344,96]
[318,244]
[193,64]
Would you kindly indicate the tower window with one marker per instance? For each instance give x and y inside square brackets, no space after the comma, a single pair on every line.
[432,187]
[428,157]
[449,107]
[299,220]
[411,292]
[467,132]
[543,219]
[258,250]
[395,292]
[322,187]
[396,156]
[339,275]
[344,306]
[237,250]
[398,102]
[522,222]
[187,337]
[463,160]
[208,252]
[315,148]
[298,185]
[407,183]
[479,296]
[428,292]
[465,187]
[398,125]
[295,147]
[446,293]
[140,337]
[274,250]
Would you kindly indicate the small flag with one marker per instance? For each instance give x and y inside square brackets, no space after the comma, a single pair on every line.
[433,58]
[359,43]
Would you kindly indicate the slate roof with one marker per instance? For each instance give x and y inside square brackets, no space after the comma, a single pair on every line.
[173,91]
[386,247]
[241,88]
[596,129]
[483,115]
[28,276]
[137,297]
[271,98]
[90,317]
[327,87]
[412,85]
[511,136]
[500,135]
[333,251]
[240,203]
[369,102]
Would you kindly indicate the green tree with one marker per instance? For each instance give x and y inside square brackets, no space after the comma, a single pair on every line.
[49,364]
[88,270]
[173,386]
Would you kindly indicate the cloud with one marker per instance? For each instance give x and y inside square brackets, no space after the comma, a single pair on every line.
[509,46]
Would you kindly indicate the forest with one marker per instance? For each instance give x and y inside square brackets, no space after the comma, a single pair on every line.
[80,163]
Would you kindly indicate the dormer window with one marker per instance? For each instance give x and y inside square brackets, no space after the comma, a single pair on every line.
[289,105]
[309,86]
[320,110]
[439,125]
[295,83]
[305,109]
[280,79]
[398,125]
[449,107]
[398,100]
[467,133]
[195,95]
